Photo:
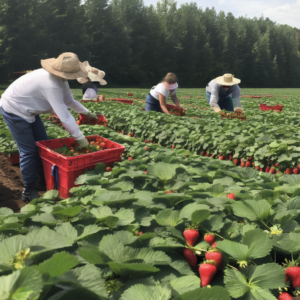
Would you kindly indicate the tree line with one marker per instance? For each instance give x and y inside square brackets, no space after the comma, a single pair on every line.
[136,45]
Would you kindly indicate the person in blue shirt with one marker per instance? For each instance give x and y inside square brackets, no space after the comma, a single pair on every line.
[224,93]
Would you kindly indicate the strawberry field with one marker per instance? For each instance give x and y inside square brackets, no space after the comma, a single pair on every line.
[202,206]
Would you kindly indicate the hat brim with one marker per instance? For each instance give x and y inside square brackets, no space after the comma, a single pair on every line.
[47,65]
[82,80]
[220,80]
[96,77]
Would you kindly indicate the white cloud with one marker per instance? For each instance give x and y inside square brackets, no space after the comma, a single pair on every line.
[285,14]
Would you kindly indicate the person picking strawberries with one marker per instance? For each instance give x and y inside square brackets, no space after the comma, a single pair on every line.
[156,100]
[41,91]
[224,93]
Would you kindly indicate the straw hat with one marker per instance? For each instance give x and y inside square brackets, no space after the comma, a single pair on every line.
[227,79]
[94,74]
[67,66]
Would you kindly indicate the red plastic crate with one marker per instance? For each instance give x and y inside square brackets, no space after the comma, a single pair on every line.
[84,161]
[95,100]
[66,178]
[256,96]
[121,100]
[129,94]
[170,106]
[14,159]
[246,96]
[271,107]
[83,119]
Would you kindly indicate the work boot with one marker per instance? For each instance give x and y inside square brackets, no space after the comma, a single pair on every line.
[40,184]
[29,193]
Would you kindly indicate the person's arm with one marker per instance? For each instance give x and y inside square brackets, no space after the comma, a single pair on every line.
[72,103]
[55,98]
[236,99]
[163,103]
[175,100]
[214,98]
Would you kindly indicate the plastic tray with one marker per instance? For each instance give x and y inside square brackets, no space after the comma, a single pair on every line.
[126,101]
[83,119]
[269,107]
[84,161]
[95,100]
[66,179]
[14,159]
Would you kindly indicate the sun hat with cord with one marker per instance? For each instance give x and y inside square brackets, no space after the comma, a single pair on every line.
[66,66]
[227,80]
[94,74]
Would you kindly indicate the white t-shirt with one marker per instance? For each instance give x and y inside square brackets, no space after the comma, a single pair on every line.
[38,92]
[161,89]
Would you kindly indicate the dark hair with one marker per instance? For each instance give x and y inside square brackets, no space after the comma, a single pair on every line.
[170,78]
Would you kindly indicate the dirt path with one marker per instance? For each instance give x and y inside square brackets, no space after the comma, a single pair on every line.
[11,185]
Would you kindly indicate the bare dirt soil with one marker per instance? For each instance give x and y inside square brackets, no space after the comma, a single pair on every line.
[11,185]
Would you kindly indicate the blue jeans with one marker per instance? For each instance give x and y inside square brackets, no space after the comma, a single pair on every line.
[25,135]
[152,104]
[225,102]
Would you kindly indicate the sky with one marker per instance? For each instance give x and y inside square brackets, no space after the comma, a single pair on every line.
[280,11]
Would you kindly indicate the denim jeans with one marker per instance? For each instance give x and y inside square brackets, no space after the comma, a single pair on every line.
[25,135]
[152,104]
[225,102]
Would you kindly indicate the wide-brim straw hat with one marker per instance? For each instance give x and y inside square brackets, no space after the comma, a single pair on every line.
[67,66]
[227,79]
[94,75]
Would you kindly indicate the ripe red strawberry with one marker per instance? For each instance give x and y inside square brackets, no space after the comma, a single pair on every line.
[145,172]
[146,141]
[173,146]
[131,134]
[248,164]
[207,272]
[102,145]
[203,153]
[222,157]
[249,158]
[108,169]
[288,171]
[295,171]
[146,148]
[236,161]
[169,192]
[130,158]
[191,257]
[230,157]
[276,165]
[272,170]
[191,236]
[293,274]
[267,169]
[123,132]
[140,233]
[207,154]
[214,245]
[285,296]
[215,256]
[212,156]
[151,141]
[277,172]
[209,238]
[242,164]
[256,168]
[231,196]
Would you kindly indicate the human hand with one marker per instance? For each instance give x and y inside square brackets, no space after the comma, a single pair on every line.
[83,143]
[92,116]
[238,110]
[216,109]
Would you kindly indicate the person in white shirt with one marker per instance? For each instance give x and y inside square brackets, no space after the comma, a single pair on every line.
[41,91]
[156,100]
[89,86]
[224,93]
